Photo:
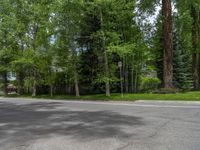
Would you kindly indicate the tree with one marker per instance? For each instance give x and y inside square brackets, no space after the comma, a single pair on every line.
[110,28]
[182,76]
[73,47]
[8,26]
[149,7]
[195,13]
[191,12]
[168,44]
[157,47]
[67,15]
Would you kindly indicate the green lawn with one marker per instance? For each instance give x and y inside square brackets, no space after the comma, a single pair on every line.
[188,96]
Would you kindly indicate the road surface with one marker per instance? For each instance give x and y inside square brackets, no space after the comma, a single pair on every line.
[76,125]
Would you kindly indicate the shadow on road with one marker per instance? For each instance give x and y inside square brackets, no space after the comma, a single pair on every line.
[36,120]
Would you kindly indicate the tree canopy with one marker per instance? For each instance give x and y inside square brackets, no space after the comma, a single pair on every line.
[76,46]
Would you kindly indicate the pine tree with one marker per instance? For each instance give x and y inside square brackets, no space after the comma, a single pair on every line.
[191,12]
[182,76]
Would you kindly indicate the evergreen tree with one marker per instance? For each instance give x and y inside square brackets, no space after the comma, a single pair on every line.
[190,10]
[182,76]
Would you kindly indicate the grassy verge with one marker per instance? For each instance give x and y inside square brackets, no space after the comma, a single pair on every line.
[188,96]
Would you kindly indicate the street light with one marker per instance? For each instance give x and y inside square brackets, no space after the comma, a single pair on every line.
[121,79]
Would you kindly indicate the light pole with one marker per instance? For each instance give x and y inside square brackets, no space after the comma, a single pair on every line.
[121,79]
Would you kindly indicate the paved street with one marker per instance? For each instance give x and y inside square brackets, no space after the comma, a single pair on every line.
[69,125]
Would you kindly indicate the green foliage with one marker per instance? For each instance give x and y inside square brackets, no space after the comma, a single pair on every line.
[149,84]
[122,50]
[29,82]
[61,44]
[182,60]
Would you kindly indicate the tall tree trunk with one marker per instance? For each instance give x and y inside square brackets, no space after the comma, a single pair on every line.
[126,75]
[195,70]
[51,90]
[168,44]
[195,54]
[136,79]
[5,83]
[121,81]
[76,84]
[107,74]
[132,80]
[132,75]
[34,90]
[107,84]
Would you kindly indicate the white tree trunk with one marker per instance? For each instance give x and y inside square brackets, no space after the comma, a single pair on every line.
[34,89]
[76,85]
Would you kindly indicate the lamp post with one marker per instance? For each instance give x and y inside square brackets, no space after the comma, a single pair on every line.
[121,79]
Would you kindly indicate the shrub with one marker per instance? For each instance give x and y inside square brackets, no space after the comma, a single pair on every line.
[168,91]
[149,84]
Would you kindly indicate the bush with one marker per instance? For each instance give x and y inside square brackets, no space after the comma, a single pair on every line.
[149,84]
[167,91]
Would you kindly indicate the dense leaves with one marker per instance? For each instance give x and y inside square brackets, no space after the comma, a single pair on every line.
[80,46]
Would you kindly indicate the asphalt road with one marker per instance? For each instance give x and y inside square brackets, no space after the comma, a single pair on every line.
[61,125]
